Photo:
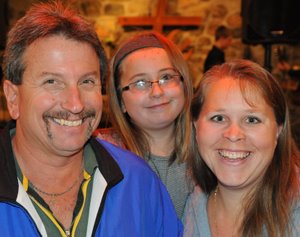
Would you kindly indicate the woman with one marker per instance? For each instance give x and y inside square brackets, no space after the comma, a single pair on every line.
[149,94]
[248,166]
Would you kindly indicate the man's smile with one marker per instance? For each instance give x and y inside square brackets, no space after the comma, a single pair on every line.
[69,123]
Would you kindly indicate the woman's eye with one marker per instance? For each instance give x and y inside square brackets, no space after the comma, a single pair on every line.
[218,118]
[253,120]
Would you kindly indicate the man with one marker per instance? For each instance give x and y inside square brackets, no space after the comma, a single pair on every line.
[55,179]
[216,55]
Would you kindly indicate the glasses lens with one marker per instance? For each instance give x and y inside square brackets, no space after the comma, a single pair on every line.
[169,80]
[166,81]
[140,85]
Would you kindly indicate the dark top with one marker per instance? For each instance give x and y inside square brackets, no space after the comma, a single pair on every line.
[294,73]
[215,56]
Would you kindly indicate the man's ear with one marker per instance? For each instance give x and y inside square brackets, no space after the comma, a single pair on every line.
[11,92]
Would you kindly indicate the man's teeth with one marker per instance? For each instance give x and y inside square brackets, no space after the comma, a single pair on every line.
[234,155]
[68,122]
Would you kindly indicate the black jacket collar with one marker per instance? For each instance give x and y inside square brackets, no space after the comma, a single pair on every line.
[9,183]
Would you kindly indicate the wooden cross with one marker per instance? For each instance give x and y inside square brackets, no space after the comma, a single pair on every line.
[160,20]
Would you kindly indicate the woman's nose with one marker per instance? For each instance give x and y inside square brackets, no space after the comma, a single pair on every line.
[234,132]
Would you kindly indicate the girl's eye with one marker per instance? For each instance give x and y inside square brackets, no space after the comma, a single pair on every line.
[218,118]
[166,77]
[253,120]
[140,84]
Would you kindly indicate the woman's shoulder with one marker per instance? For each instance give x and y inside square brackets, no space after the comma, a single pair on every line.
[198,197]
[195,217]
[197,202]
[295,221]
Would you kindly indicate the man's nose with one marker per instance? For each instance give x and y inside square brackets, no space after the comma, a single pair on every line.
[72,100]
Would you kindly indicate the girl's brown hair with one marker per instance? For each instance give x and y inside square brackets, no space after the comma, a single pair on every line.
[134,137]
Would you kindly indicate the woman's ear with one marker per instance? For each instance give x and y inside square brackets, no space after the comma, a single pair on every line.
[11,92]
[195,124]
[123,108]
[279,129]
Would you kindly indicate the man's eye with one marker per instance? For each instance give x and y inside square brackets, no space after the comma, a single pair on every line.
[218,118]
[50,81]
[253,120]
[53,84]
[88,81]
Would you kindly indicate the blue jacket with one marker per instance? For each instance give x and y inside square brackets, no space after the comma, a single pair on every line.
[134,202]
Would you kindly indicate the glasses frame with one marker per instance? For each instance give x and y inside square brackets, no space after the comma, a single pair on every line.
[149,84]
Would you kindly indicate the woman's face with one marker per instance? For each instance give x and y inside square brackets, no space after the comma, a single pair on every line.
[157,107]
[236,140]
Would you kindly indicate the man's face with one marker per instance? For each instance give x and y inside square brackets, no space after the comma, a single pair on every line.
[59,103]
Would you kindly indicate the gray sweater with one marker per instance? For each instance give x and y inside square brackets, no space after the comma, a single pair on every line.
[175,179]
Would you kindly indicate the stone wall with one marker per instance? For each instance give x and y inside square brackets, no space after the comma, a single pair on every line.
[194,42]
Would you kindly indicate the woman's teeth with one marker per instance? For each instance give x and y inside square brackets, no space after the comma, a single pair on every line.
[234,155]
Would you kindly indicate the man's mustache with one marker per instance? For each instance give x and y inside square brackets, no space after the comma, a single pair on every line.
[66,115]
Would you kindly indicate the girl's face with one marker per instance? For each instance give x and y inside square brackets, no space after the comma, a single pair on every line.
[235,139]
[158,106]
